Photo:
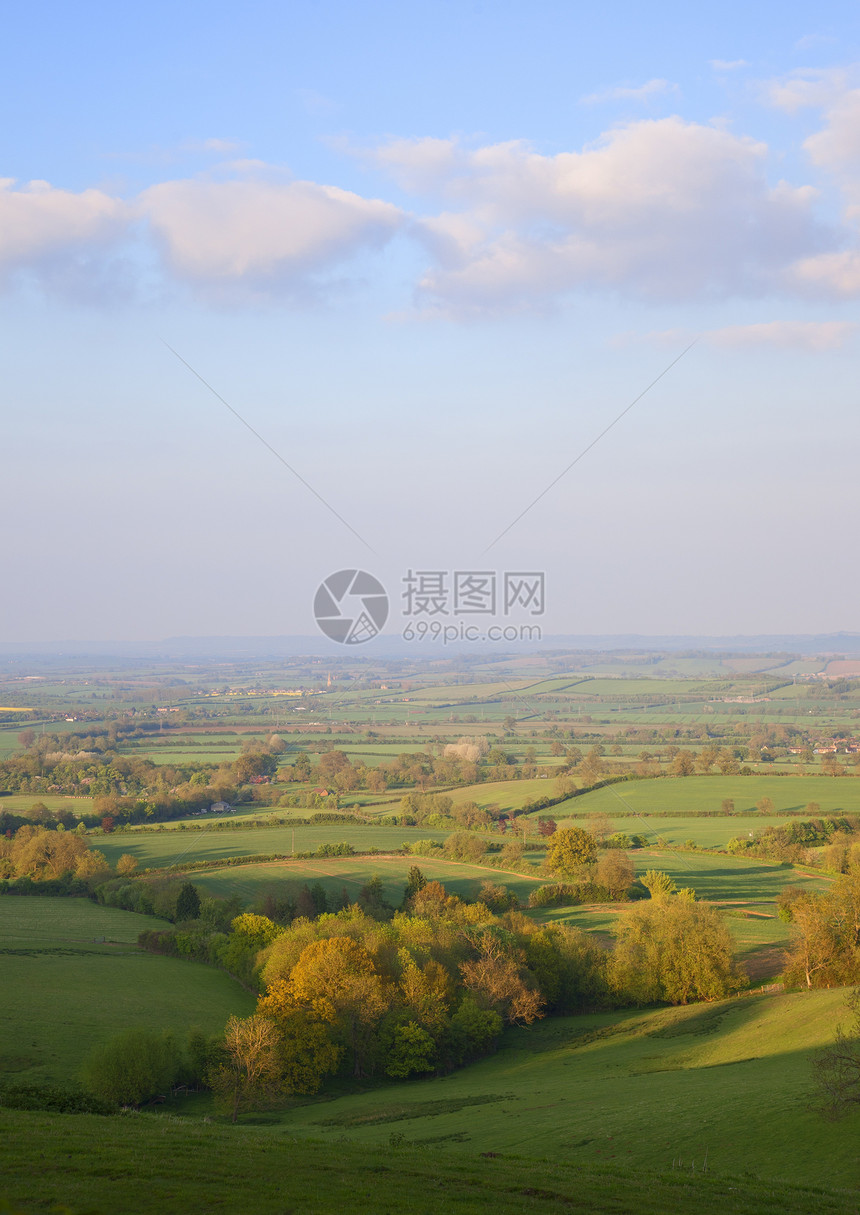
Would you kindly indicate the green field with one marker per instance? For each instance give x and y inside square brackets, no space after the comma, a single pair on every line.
[680,795]
[609,1112]
[746,890]
[71,977]
[9,738]
[20,803]
[642,1088]
[506,794]
[156,849]
[335,873]
[149,1165]
[186,755]
[711,832]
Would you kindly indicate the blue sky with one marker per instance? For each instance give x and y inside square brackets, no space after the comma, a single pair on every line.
[429,252]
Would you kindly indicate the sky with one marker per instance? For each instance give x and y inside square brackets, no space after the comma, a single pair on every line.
[288,289]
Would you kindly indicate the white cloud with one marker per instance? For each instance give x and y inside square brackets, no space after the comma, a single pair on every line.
[243,232]
[808,41]
[39,222]
[837,145]
[260,232]
[641,92]
[665,209]
[728,65]
[805,88]
[835,149]
[422,164]
[830,273]
[812,336]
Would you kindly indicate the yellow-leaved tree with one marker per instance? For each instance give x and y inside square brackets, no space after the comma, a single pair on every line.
[336,980]
[250,1074]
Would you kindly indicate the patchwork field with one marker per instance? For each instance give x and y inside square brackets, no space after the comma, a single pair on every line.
[612,1112]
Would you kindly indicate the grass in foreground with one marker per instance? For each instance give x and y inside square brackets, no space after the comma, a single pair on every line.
[638,1089]
[83,1165]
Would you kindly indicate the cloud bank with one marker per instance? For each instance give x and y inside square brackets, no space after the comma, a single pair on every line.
[662,210]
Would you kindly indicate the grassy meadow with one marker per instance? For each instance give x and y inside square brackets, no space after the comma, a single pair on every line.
[156,849]
[20,803]
[639,1088]
[71,976]
[351,873]
[680,795]
[155,1164]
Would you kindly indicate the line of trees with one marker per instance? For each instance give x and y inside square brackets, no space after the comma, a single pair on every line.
[41,856]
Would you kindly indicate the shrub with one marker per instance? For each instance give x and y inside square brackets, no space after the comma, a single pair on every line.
[497,898]
[463,846]
[131,1067]
[342,849]
[551,896]
[674,951]
[425,848]
[53,1099]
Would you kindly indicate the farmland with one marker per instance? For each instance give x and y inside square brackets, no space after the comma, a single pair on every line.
[603,1099]
[336,873]
[789,794]
[157,849]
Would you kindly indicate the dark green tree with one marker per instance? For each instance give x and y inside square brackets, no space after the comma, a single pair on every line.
[415,881]
[371,899]
[187,904]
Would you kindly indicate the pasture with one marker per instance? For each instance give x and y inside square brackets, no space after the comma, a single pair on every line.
[636,1090]
[157,849]
[51,1163]
[71,976]
[20,803]
[351,873]
[187,755]
[9,739]
[506,794]
[677,795]
[744,890]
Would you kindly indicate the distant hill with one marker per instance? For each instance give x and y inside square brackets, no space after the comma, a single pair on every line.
[392,645]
